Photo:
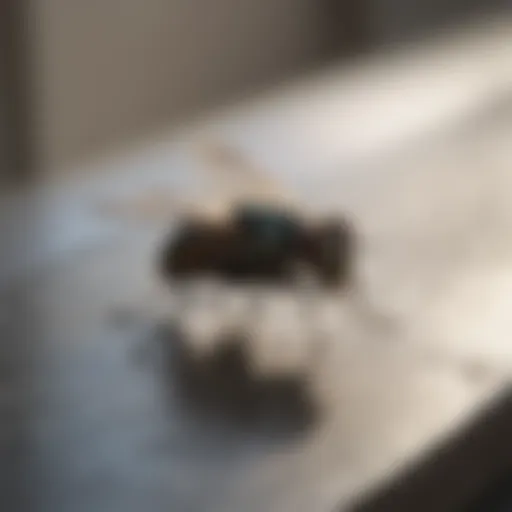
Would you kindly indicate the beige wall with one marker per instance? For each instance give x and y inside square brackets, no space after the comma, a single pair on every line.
[111,69]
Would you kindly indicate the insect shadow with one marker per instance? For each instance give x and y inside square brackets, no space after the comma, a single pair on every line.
[223,385]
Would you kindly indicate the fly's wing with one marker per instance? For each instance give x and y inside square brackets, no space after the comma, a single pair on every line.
[240,180]
[231,179]
[151,204]
[163,206]
[244,182]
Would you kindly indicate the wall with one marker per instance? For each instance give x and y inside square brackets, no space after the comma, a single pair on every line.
[107,70]
[391,21]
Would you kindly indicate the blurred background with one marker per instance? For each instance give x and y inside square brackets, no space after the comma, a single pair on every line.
[338,86]
[80,78]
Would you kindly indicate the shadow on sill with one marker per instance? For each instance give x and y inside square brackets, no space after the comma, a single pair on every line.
[471,472]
